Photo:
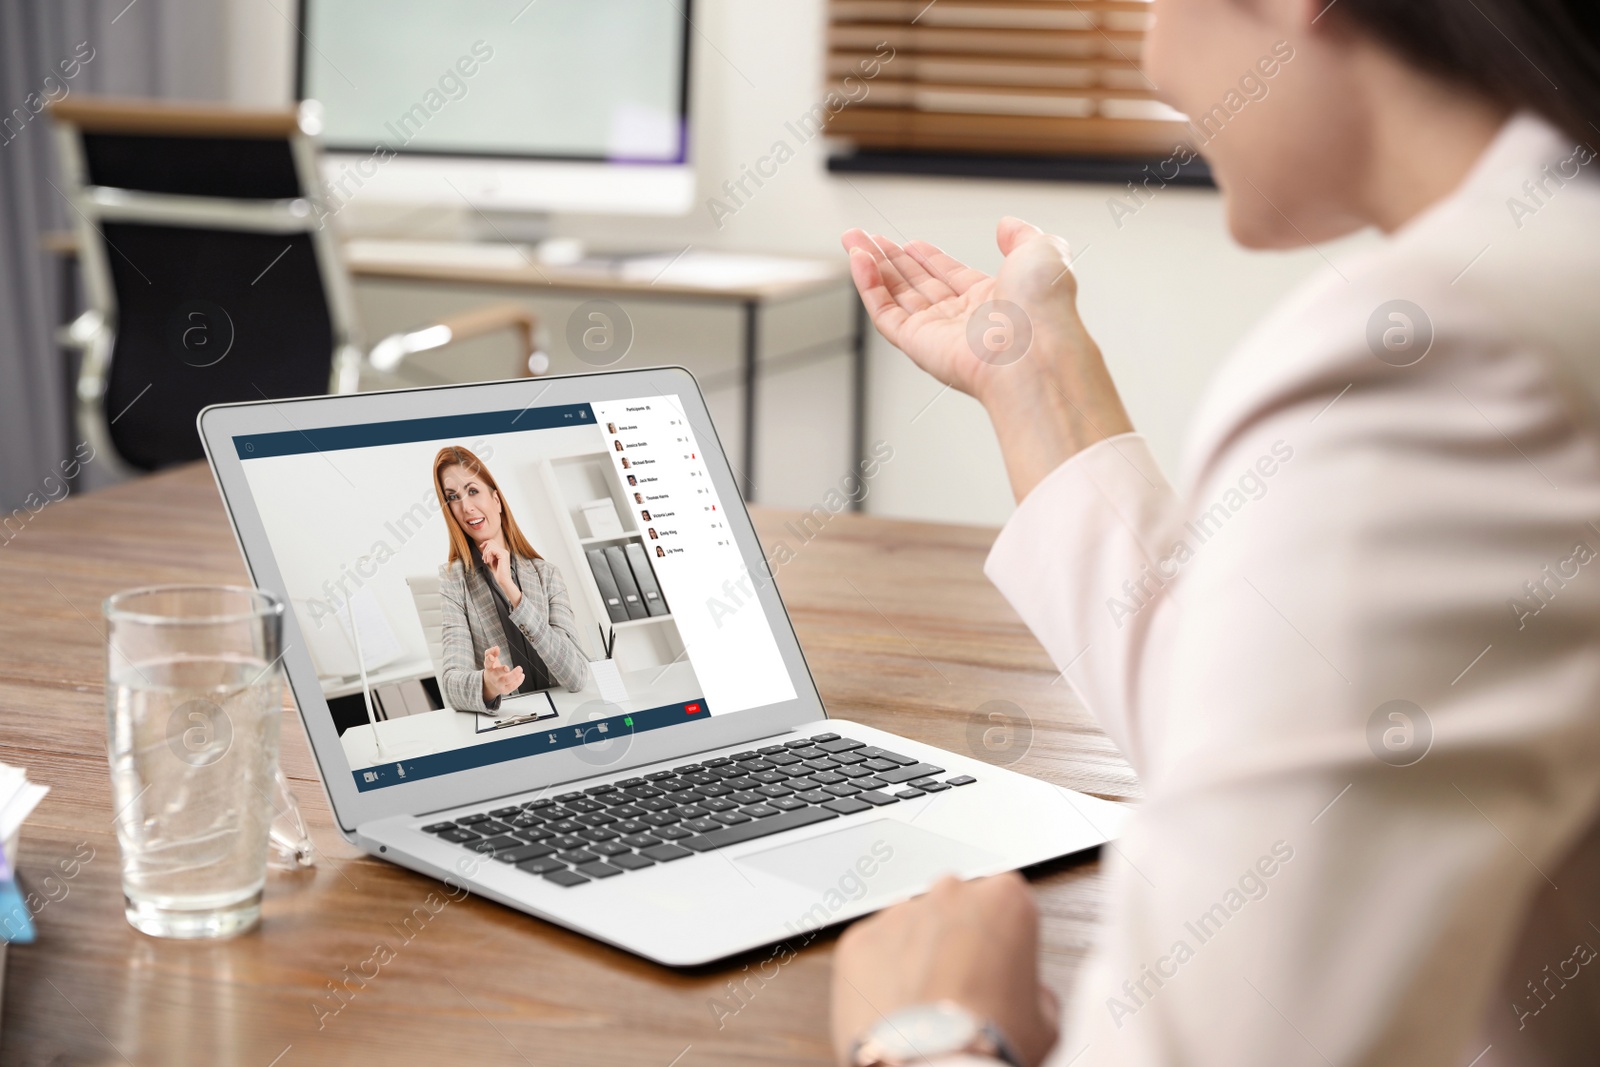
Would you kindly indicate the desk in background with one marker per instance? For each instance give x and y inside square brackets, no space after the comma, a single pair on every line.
[400,283]
[475,982]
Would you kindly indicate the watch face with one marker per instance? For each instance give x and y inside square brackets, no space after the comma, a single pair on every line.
[926,1030]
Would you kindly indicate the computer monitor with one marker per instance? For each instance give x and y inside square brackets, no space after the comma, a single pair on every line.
[508,105]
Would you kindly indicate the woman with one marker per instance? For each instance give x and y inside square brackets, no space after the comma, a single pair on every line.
[507,625]
[1353,654]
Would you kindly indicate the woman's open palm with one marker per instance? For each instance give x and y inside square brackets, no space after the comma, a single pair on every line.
[1014,341]
[499,678]
[924,301]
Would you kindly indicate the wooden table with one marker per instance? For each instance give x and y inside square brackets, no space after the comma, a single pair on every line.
[479,984]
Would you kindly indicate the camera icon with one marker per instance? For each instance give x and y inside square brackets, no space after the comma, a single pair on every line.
[603,741]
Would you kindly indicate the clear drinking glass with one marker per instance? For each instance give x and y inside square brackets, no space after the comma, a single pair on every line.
[193,700]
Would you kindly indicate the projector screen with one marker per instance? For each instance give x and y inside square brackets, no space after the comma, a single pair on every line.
[600,80]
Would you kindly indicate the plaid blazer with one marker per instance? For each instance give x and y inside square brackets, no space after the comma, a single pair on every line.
[470,626]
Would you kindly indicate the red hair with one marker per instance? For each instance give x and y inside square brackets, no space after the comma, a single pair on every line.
[460,543]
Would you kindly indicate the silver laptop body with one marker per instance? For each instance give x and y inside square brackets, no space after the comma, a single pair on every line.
[691,799]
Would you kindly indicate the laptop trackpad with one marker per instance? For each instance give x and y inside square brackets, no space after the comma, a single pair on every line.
[884,857]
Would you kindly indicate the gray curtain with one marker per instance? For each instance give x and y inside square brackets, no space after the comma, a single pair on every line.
[151,48]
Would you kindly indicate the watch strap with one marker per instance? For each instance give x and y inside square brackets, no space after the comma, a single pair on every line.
[989,1047]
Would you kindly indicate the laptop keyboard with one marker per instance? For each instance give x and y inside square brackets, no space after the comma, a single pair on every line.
[609,830]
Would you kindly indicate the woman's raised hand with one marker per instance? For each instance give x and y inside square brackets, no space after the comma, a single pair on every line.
[1014,340]
[498,561]
[923,300]
[498,679]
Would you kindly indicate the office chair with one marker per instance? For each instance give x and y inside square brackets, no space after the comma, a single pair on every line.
[425,594]
[211,274]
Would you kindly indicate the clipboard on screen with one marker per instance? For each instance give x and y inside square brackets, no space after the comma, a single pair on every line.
[517,710]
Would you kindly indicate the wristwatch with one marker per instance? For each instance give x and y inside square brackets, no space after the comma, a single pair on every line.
[926,1032]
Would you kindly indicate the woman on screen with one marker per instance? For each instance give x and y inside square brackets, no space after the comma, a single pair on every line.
[506,623]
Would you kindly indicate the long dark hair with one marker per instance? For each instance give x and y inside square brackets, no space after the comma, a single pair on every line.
[1543,55]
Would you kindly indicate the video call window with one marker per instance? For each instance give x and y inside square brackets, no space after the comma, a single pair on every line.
[479,580]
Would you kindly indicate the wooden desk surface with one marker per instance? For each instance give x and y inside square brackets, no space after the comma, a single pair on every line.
[901,631]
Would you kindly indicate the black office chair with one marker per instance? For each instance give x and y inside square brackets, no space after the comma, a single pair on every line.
[211,274]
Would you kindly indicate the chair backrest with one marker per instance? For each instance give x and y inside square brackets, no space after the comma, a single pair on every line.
[425,593]
[202,245]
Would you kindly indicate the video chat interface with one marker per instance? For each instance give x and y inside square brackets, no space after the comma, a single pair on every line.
[329,497]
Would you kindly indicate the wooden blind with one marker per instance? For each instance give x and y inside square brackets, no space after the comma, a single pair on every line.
[1038,77]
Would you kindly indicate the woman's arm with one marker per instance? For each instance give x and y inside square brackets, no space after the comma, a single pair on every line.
[1313,878]
[1013,341]
[1086,561]
[1367,752]
[463,678]
[545,616]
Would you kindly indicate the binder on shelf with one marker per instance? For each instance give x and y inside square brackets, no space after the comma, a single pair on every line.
[625,583]
[608,585]
[646,579]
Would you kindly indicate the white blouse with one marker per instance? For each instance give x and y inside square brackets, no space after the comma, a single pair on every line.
[1355,659]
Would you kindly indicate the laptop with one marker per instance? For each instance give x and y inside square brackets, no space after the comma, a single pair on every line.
[688,798]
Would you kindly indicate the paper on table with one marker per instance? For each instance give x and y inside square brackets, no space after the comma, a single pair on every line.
[18,798]
[609,679]
[21,806]
[16,922]
[11,780]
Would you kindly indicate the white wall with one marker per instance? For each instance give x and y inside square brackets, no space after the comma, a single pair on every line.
[260,50]
[1166,295]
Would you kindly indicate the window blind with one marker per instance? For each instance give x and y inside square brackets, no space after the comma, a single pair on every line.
[1035,77]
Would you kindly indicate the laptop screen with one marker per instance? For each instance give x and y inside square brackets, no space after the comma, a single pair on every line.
[484,587]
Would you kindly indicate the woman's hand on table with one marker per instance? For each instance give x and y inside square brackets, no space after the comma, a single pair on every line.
[974,943]
[1014,340]
[498,678]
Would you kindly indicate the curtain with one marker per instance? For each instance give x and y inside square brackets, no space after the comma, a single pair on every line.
[53,49]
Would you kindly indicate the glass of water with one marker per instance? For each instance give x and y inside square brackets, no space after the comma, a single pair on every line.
[193,699]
